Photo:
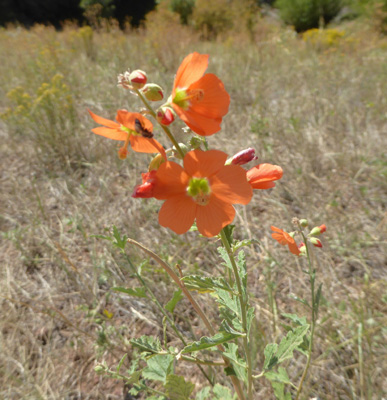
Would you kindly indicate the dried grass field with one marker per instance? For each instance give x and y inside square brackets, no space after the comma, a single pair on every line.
[316,106]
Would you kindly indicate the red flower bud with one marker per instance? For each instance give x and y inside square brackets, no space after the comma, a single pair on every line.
[316,242]
[145,190]
[318,230]
[165,116]
[138,78]
[244,156]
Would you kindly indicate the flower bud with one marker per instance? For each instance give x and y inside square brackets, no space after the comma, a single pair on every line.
[145,190]
[99,369]
[243,157]
[153,92]
[302,248]
[156,162]
[137,79]
[316,242]
[303,223]
[317,230]
[122,153]
[165,116]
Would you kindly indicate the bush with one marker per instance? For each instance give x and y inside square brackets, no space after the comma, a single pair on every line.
[184,8]
[308,14]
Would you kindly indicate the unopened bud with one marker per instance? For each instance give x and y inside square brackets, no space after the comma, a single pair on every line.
[318,230]
[99,369]
[243,157]
[153,92]
[145,190]
[122,153]
[304,223]
[156,162]
[165,116]
[137,79]
[302,248]
[316,242]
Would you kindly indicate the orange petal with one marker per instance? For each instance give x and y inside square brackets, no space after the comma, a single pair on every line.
[279,238]
[203,164]
[128,119]
[262,185]
[210,219]
[191,69]
[294,248]
[178,213]
[171,180]
[103,121]
[230,185]
[200,124]
[264,173]
[145,145]
[215,101]
[111,133]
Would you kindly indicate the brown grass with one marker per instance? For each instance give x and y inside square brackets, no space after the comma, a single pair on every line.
[320,113]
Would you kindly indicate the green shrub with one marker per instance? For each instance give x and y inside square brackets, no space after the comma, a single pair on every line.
[184,8]
[308,14]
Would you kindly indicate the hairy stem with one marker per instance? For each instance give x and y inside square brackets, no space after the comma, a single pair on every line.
[242,299]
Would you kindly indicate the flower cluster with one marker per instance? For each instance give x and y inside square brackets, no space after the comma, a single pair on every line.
[285,238]
[206,186]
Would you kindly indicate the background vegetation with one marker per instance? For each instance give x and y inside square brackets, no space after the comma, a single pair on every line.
[313,103]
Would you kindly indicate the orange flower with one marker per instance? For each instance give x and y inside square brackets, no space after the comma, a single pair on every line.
[201,101]
[285,239]
[262,176]
[204,190]
[131,128]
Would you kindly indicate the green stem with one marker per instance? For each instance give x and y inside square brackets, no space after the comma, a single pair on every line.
[165,129]
[242,300]
[195,305]
[314,316]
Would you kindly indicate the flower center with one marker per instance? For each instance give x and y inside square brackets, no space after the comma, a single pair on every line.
[184,98]
[199,189]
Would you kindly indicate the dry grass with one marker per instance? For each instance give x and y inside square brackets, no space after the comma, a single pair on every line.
[320,113]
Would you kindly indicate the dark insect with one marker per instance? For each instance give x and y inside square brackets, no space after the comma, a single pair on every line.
[140,129]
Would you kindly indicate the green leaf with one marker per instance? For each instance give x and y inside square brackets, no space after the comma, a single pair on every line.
[270,359]
[147,344]
[223,253]
[136,292]
[222,393]
[280,376]
[241,263]
[238,364]
[229,230]
[121,362]
[207,342]
[250,318]
[203,394]
[296,319]
[279,391]
[302,301]
[318,298]
[133,378]
[177,296]
[158,367]
[276,354]
[225,299]
[177,388]
[120,242]
[242,243]
[205,284]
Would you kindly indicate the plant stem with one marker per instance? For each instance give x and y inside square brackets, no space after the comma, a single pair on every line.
[195,305]
[242,300]
[162,310]
[311,274]
[165,129]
